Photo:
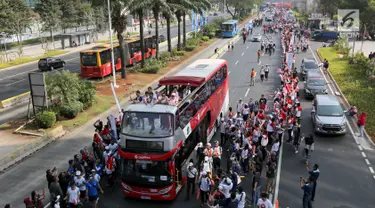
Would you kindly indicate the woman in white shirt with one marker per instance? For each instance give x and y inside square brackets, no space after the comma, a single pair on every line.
[241,197]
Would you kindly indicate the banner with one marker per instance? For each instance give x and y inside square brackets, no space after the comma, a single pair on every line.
[289,60]
[115,96]
[192,20]
[112,122]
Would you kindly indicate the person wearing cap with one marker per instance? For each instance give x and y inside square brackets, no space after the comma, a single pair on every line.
[218,151]
[223,130]
[264,202]
[173,99]
[208,152]
[207,165]
[92,187]
[226,186]
[204,187]
[80,182]
[95,175]
[192,174]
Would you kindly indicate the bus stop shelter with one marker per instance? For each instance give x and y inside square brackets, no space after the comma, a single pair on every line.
[74,39]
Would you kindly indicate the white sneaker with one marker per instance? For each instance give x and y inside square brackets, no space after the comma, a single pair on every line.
[296,151]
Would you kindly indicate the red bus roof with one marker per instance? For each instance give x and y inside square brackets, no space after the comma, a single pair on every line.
[196,73]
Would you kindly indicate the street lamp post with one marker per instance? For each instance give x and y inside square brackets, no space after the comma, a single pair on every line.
[111,42]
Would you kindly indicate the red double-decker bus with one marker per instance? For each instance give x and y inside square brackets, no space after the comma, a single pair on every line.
[97,62]
[157,141]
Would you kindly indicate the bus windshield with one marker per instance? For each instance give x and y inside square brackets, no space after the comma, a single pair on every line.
[88,59]
[146,172]
[147,124]
[227,27]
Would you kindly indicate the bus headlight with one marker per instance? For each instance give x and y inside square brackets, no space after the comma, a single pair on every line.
[166,190]
[126,187]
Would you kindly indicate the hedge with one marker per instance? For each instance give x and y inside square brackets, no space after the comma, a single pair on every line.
[71,110]
[45,119]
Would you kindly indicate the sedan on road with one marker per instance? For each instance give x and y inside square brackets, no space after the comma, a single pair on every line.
[314,84]
[50,63]
[308,64]
[256,37]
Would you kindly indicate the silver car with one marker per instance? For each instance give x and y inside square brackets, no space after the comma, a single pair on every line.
[327,115]
[256,37]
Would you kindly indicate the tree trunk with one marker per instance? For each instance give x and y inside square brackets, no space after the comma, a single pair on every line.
[123,56]
[184,29]
[156,16]
[178,15]
[140,12]
[169,34]
[229,10]
[52,38]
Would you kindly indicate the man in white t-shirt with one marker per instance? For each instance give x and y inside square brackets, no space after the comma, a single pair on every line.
[241,197]
[264,202]
[72,195]
[80,182]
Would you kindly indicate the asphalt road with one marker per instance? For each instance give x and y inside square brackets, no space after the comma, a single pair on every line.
[20,179]
[240,62]
[14,82]
[345,178]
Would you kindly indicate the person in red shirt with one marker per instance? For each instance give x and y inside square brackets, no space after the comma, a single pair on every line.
[361,123]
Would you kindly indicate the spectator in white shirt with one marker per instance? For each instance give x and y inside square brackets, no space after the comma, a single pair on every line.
[241,197]
[264,202]
[204,186]
[239,106]
[113,148]
[275,146]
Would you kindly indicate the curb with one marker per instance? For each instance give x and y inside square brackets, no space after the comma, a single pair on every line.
[24,151]
[346,102]
[15,100]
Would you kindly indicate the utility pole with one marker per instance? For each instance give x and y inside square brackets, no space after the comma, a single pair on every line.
[111,41]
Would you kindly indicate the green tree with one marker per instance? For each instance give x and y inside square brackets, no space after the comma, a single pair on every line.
[63,87]
[69,17]
[158,6]
[198,5]
[99,19]
[85,14]
[15,18]
[49,11]
[119,24]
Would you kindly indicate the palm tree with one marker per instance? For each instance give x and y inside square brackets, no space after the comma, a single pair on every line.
[158,6]
[119,25]
[197,5]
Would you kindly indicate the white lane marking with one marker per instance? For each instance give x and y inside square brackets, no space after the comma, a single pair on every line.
[15,82]
[260,61]
[229,72]
[31,70]
[363,154]
[373,177]
[371,170]
[242,53]
[247,92]
[347,122]
[236,63]
[247,47]
[278,174]
[367,161]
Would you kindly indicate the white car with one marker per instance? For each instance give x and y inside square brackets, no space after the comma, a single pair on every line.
[256,37]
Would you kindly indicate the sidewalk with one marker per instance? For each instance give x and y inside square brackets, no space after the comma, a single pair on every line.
[18,184]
